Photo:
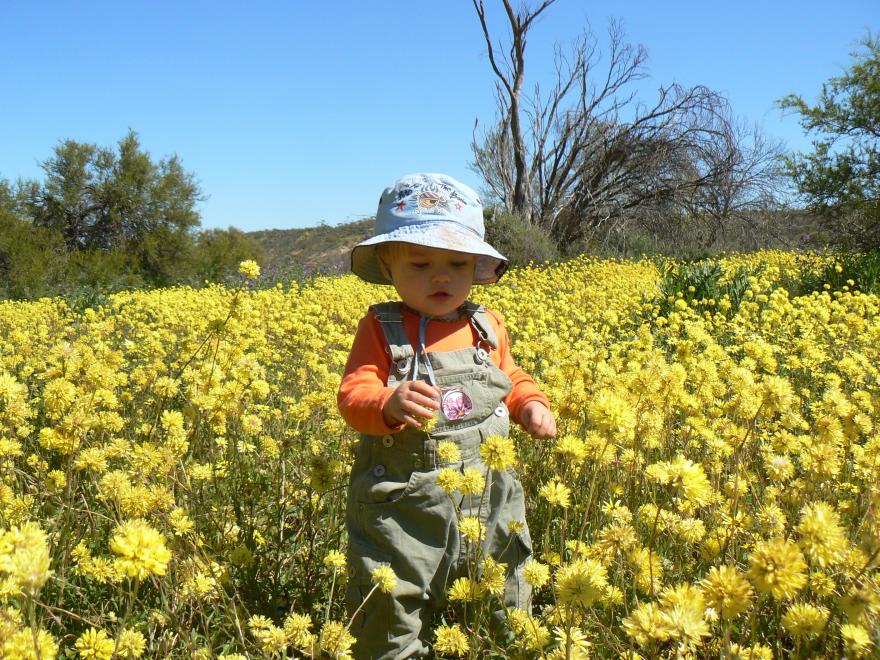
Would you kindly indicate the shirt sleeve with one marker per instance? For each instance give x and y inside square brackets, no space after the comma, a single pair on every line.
[363,391]
[524,387]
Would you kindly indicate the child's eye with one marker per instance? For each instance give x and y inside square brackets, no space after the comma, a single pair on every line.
[418,265]
[459,264]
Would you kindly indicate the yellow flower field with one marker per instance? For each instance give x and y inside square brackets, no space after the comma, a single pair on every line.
[174,471]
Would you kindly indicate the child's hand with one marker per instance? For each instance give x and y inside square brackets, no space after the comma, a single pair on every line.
[538,421]
[411,401]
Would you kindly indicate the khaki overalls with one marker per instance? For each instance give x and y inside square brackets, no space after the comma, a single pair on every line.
[398,515]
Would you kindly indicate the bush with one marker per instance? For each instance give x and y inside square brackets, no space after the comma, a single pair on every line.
[517,240]
[848,269]
[702,281]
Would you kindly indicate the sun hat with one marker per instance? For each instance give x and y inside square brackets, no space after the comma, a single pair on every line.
[431,210]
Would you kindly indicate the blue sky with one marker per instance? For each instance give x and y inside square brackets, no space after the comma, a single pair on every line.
[291,113]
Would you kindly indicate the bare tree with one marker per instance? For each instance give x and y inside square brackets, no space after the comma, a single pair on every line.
[741,183]
[587,156]
[509,92]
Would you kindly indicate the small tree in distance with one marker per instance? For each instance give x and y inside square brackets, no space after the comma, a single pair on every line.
[841,177]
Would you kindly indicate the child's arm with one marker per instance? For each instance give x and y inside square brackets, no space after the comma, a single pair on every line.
[364,399]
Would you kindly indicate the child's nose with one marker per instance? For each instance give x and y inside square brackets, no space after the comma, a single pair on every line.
[441,275]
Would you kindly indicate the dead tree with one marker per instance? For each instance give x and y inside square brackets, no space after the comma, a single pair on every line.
[586,156]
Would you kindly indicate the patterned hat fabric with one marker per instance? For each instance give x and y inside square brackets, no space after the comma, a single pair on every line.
[431,210]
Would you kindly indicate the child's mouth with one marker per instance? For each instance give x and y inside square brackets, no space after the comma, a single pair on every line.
[439,295]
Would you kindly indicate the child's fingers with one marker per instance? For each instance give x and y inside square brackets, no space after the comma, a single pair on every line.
[425,396]
[414,409]
[429,392]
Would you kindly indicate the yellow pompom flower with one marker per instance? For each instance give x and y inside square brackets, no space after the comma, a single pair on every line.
[463,590]
[498,453]
[27,644]
[141,549]
[249,268]
[298,628]
[131,644]
[384,577]
[95,644]
[493,577]
[726,590]
[451,640]
[448,452]
[473,481]
[536,573]
[581,582]
[336,640]
[472,529]
[822,537]
[556,493]
[449,480]
[335,560]
[777,567]
[856,639]
[805,620]
[685,612]
[646,624]
[24,556]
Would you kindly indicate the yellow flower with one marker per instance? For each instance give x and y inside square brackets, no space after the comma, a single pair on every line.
[727,591]
[298,629]
[472,529]
[536,573]
[805,620]
[384,578]
[473,481]
[334,559]
[647,624]
[581,582]
[777,567]
[131,644]
[557,493]
[449,480]
[493,577]
[450,640]
[28,644]
[464,590]
[140,548]
[24,556]
[95,644]
[249,268]
[448,452]
[498,453]
[685,611]
[335,639]
[856,639]
[822,537]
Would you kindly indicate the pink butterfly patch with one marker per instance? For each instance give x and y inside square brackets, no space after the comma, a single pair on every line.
[456,404]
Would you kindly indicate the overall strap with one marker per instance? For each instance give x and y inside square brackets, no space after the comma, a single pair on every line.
[391,319]
[479,318]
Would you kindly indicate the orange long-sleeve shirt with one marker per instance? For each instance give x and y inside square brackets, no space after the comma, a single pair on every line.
[363,391]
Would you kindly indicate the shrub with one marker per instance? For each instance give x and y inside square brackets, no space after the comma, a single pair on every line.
[517,240]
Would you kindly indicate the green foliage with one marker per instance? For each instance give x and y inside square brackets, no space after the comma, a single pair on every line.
[98,199]
[848,270]
[219,251]
[704,282]
[519,241]
[841,178]
[31,260]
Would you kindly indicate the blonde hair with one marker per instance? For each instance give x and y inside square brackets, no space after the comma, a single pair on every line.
[388,253]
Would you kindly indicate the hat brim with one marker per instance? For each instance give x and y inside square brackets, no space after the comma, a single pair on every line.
[442,235]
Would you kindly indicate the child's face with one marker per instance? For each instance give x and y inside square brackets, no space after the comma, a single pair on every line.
[432,281]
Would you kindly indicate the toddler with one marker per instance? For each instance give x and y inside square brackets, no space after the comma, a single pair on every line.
[434,356]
